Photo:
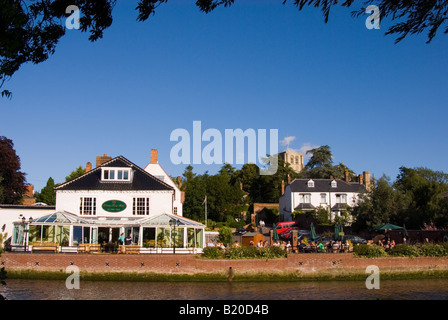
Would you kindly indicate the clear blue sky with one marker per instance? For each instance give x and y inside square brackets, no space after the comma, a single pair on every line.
[258,64]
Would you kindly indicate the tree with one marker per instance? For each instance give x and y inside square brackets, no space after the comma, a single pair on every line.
[12,182]
[30,30]
[411,17]
[320,166]
[383,204]
[47,194]
[424,187]
[321,157]
[75,174]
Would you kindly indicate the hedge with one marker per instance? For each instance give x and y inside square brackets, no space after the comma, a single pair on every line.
[243,253]
[364,250]
[403,250]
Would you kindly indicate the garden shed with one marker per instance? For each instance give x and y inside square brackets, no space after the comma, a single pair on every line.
[251,236]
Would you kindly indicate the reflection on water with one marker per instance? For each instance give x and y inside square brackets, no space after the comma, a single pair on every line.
[96,290]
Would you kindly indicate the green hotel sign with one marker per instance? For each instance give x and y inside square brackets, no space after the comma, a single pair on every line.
[114,206]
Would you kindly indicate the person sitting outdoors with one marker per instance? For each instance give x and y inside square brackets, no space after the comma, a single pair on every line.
[336,246]
[128,240]
[320,247]
[236,244]
[347,246]
[301,246]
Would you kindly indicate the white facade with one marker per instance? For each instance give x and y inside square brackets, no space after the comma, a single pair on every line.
[11,213]
[156,202]
[308,194]
[157,171]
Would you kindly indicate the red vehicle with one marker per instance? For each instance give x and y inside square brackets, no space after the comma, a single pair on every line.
[283,227]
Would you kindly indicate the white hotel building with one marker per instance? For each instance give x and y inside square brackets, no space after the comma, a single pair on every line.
[114,198]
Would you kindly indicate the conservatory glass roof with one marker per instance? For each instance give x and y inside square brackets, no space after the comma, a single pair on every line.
[164,219]
[160,220]
[60,217]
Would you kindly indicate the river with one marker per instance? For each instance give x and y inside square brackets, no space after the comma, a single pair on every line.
[434,289]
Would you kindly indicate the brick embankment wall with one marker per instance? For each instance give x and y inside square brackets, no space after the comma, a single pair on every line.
[305,264]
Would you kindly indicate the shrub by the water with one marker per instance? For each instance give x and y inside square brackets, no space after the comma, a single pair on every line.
[364,250]
[433,250]
[244,253]
[212,253]
[404,250]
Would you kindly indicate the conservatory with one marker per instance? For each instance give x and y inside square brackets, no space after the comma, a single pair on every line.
[165,233]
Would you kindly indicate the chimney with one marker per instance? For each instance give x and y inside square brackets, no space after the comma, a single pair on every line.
[182,196]
[347,178]
[88,167]
[102,159]
[154,156]
[360,179]
[179,182]
[283,187]
[289,179]
[29,191]
[367,181]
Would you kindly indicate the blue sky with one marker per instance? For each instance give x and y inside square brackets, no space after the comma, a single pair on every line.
[258,64]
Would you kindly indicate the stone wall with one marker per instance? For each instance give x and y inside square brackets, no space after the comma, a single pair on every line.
[311,263]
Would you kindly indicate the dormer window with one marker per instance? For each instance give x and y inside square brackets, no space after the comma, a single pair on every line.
[310,184]
[334,184]
[116,174]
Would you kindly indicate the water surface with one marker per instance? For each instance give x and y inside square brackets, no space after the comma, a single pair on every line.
[433,289]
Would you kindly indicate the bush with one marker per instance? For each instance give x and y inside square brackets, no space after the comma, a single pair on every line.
[225,235]
[244,253]
[272,252]
[212,253]
[258,253]
[433,250]
[364,250]
[404,250]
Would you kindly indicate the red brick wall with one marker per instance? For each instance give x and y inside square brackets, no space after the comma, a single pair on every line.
[189,264]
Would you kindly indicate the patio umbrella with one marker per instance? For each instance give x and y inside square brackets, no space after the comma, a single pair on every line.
[405,232]
[313,234]
[336,231]
[378,238]
[388,226]
[275,236]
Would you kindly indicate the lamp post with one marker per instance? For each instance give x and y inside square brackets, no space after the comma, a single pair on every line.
[25,225]
[174,223]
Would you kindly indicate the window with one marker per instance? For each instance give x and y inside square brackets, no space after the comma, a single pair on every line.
[140,206]
[310,184]
[305,198]
[175,210]
[334,184]
[116,174]
[87,206]
[341,198]
[323,198]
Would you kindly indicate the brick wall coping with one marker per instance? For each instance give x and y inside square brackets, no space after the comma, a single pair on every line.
[308,263]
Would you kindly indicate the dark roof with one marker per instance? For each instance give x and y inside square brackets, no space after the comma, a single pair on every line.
[339,206]
[324,185]
[305,206]
[91,180]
